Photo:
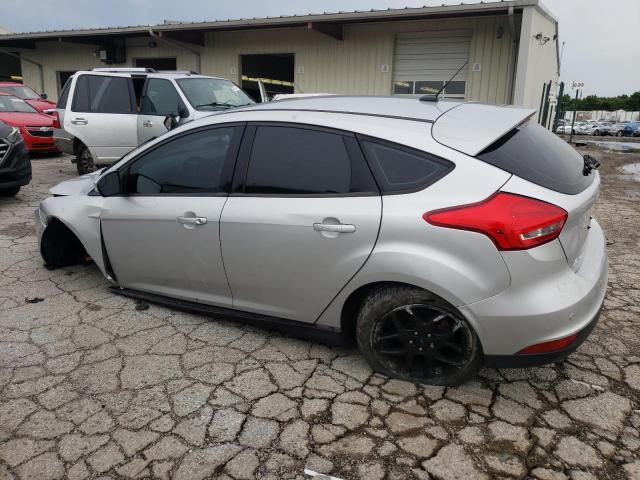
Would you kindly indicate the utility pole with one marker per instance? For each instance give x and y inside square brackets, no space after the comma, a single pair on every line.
[577,85]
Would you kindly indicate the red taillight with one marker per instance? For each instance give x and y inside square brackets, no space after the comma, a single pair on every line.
[548,347]
[512,222]
[56,119]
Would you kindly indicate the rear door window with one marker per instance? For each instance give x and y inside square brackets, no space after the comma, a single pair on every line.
[400,169]
[300,161]
[103,94]
[537,155]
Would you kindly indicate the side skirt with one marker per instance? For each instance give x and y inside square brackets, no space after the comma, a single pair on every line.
[292,328]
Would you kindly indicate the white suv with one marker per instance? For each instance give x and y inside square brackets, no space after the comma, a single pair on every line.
[104,113]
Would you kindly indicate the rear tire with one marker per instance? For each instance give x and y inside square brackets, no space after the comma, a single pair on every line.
[84,161]
[412,334]
[619,133]
[9,192]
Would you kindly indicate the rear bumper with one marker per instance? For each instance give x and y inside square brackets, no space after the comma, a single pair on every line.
[63,141]
[520,361]
[546,301]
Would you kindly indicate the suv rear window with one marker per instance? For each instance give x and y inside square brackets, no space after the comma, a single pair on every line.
[103,94]
[537,155]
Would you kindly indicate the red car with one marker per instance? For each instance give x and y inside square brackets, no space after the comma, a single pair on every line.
[36,128]
[39,102]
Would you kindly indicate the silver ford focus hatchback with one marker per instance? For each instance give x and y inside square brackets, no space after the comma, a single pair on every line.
[438,236]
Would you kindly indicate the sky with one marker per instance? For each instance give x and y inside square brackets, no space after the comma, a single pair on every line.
[602,44]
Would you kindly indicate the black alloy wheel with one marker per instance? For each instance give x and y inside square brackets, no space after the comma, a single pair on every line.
[414,335]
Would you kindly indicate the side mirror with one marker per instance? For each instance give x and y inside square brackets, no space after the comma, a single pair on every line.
[43,96]
[183,112]
[109,185]
[170,122]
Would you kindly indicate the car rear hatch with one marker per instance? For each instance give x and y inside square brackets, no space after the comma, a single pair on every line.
[544,166]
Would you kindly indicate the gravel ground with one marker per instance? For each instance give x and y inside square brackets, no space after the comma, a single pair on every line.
[90,387]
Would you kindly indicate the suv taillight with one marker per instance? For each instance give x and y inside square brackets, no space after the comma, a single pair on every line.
[56,119]
[512,222]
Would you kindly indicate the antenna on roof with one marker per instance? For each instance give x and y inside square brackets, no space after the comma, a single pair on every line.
[434,98]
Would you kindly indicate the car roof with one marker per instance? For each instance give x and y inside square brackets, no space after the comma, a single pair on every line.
[410,108]
[176,74]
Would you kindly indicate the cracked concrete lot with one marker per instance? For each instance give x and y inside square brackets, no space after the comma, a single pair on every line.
[90,387]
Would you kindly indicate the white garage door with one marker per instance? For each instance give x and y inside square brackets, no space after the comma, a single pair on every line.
[423,61]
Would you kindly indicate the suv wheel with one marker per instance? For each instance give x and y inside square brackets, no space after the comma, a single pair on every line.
[9,192]
[596,133]
[619,133]
[412,334]
[84,161]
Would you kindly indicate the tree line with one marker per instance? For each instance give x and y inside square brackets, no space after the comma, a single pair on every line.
[630,103]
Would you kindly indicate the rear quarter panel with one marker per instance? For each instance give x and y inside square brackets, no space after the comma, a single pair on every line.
[460,266]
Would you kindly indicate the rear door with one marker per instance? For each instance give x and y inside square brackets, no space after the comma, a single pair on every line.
[302,220]
[159,99]
[102,114]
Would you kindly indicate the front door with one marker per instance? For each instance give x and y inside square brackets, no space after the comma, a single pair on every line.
[162,236]
[159,99]
[306,221]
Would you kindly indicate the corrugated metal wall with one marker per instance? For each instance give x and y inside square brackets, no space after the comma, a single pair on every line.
[361,64]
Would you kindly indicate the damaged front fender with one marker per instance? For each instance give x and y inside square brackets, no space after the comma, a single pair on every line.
[65,219]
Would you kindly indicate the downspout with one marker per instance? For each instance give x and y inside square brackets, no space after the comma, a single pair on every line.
[178,45]
[515,41]
[39,65]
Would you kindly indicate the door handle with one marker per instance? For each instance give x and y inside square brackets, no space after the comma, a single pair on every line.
[192,220]
[147,123]
[79,121]
[329,227]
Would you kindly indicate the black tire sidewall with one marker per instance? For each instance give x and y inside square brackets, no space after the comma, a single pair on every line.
[383,300]
[84,154]
[9,192]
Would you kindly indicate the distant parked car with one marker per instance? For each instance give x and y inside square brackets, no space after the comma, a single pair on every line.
[595,128]
[566,129]
[36,128]
[15,166]
[623,129]
[39,102]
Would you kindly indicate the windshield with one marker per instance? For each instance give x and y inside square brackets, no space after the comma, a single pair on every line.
[213,93]
[21,91]
[13,104]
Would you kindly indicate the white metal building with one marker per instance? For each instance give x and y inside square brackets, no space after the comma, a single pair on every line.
[511,50]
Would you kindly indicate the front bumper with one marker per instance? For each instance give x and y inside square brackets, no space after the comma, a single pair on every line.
[15,169]
[546,301]
[40,144]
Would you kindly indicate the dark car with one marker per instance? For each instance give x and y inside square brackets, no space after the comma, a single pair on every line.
[15,165]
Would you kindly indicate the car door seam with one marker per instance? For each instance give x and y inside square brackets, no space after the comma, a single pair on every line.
[361,266]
